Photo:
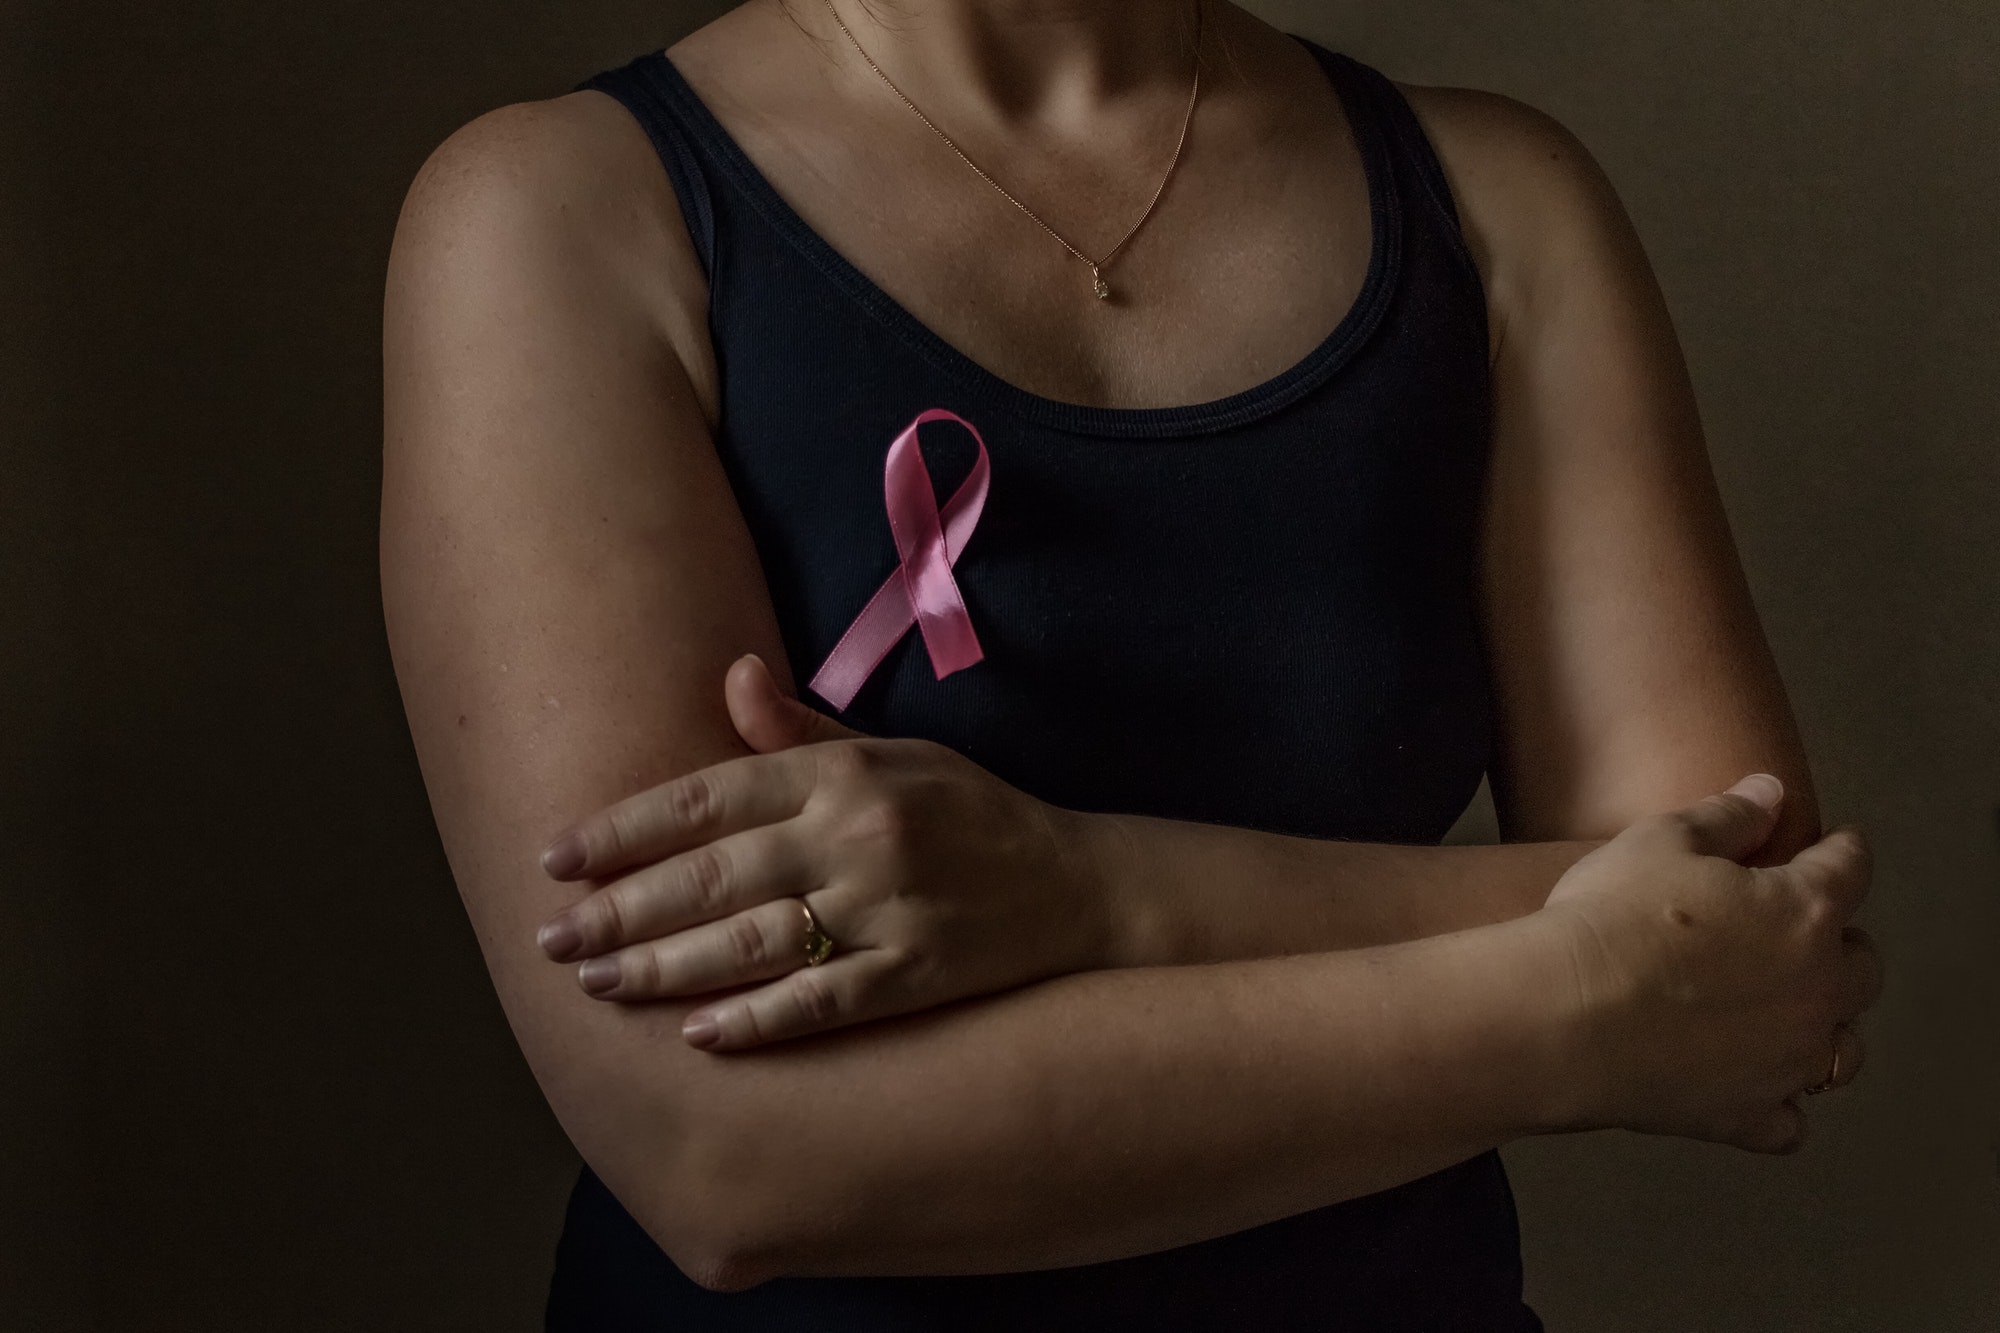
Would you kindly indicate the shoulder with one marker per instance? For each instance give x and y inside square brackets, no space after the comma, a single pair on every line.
[556,170]
[1514,162]
[1537,210]
[549,203]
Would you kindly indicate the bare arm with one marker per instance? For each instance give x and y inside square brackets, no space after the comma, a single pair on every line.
[565,575]
[1631,669]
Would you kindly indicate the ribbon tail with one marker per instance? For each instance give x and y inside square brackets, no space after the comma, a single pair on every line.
[886,619]
[944,622]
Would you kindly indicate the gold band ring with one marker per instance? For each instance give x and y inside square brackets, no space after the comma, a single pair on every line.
[819,944]
[1833,1070]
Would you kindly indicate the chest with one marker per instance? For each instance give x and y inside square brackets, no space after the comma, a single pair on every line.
[1258,247]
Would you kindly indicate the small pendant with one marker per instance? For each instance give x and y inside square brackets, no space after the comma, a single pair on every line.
[1097,282]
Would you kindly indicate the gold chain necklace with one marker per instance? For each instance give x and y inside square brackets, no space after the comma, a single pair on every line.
[1097,266]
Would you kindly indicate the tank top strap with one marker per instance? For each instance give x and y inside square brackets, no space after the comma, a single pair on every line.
[659,103]
[1403,138]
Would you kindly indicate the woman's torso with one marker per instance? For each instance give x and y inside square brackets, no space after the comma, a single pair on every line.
[1254,606]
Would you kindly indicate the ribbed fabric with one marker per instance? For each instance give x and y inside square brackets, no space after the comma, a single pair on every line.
[1258,611]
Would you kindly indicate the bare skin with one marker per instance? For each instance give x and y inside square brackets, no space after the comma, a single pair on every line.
[566,579]
[940,882]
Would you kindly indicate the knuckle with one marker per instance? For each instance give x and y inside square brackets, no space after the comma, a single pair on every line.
[817,999]
[899,964]
[691,802]
[705,881]
[645,972]
[745,941]
[1819,911]
[1848,859]
[930,753]
[1781,1132]
[620,833]
[863,815]
[883,819]
[610,921]
[846,763]
[1855,843]
[751,1030]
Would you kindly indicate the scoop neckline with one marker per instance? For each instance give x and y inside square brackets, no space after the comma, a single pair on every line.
[1259,400]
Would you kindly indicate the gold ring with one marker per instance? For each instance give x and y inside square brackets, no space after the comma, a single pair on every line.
[1833,1071]
[819,944]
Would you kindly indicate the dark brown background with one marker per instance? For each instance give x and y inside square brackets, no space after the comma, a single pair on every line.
[254,1076]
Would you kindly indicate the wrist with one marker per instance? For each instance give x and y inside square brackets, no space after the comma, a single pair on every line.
[1562,1020]
[1122,918]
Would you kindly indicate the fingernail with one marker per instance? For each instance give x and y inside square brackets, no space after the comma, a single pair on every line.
[701,1030]
[1762,788]
[598,975]
[563,857]
[560,939]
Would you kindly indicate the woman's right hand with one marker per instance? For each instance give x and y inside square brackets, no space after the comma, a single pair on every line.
[1711,995]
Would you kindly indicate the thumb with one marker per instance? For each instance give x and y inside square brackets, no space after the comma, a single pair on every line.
[765,717]
[1735,823]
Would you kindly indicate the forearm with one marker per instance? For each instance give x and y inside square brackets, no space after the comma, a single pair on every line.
[1179,892]
[1113,1113]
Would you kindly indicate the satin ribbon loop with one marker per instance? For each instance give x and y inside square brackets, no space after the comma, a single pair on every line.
[921,591]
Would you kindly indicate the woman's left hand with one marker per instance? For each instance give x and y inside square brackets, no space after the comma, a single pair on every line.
[934,879]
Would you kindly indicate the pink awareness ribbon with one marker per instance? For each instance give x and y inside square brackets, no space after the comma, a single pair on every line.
[921,591]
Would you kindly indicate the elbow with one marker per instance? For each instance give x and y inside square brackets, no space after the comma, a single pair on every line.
[711,1213]
[720,1171]
[711,1248]
[716,1244]
[720,1269]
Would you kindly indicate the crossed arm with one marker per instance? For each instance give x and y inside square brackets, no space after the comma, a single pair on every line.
[566,578]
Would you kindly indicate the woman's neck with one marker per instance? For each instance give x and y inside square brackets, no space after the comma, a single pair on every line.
[1022,65]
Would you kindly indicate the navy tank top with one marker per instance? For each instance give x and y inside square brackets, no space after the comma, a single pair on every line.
[1258,611]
